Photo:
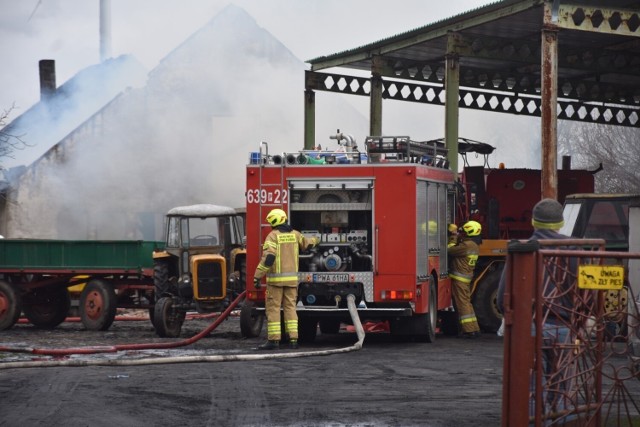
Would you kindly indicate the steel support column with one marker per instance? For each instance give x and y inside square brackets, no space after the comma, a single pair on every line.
[309,119]
[451,107]
[375,99]
[521,276]
[549,106]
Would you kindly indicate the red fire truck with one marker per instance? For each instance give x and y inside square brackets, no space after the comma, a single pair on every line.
[410,197]
[381,217]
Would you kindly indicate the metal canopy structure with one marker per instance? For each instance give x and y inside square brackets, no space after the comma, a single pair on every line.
[551,59]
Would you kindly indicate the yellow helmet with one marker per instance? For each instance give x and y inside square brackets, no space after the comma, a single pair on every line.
[472,228]
[276,217]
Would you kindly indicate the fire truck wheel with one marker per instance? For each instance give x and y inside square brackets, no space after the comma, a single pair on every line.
[421,327]
[46,308]
[329,326]
[307,329]
[98,305]
[250,322]
[167,320]
[449,323]
[10,306]
[485,300]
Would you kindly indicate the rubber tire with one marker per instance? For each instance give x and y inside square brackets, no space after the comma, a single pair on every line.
[421,327]
[329,326]
[160,279]
[167,321]
[10,305]
[449,324]
[46,308]
[485,300]
[250,324]
[307,329]
[98,304]
[428,321]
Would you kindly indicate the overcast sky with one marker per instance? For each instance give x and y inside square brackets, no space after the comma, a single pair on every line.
[68,31]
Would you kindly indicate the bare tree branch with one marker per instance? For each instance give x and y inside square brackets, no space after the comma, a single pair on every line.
[616,147]
[9,142]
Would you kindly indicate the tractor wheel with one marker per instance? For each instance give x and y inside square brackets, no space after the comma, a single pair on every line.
[46,308]
[307,329]
[167,320]
[160,279]
[98,305]
[10,305]
[485,300]
[250,323]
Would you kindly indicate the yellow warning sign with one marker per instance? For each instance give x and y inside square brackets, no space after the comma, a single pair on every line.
[600,276]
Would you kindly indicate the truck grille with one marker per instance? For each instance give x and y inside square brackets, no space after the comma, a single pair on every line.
[209,279]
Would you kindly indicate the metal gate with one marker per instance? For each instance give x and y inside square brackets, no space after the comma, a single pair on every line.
[571,353]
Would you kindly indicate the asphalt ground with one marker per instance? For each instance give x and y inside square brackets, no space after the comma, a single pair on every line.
[451,382]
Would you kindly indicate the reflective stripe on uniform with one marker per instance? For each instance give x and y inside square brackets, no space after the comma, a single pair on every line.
[291,326]
[273,330]
[464,278]
[469,318]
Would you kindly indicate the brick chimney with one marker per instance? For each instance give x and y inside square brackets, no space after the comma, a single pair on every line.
[47,78]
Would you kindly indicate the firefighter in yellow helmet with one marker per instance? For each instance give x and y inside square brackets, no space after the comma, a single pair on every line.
[463,256]
[279,263]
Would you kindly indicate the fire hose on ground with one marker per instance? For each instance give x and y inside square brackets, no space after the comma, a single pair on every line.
[353,311]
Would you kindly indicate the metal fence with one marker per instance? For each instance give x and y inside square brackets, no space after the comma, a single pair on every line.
[571,353]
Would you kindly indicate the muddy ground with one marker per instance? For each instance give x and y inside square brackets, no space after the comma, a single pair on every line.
[451,382]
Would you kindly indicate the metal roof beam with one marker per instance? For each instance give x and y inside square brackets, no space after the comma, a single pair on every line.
[419,35]
[624,22]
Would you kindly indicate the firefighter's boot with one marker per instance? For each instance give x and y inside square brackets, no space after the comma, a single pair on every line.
[270,345]
[293,344]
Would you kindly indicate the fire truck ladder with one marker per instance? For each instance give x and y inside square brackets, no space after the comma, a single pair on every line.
[267,188]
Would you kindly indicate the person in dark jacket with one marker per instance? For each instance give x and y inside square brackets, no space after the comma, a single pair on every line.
[279,263]
[547,220]
[463,257]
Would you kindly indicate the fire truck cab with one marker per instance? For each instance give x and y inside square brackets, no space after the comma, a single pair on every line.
[381,217]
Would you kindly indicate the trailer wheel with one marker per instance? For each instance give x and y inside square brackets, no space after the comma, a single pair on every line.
[98,304]
[485,300]
[46,308]
[250,322]
[10,306]
[307,329]
[167,320]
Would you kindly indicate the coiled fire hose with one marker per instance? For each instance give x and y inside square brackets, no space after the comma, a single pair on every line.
[353,311]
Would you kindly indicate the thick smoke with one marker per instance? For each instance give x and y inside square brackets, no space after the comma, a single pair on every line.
[183,138]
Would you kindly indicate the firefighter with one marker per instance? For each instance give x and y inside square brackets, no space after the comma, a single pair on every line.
[279,264]
[464,255]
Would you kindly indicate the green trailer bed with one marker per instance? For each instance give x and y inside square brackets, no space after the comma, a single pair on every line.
[36,275]
[24,255]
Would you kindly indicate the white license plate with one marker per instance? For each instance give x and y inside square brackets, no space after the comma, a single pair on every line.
[330,277]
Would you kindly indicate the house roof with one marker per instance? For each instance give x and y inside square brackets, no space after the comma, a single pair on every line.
[51,119]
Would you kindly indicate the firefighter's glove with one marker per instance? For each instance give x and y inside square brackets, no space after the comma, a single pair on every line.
[256,283]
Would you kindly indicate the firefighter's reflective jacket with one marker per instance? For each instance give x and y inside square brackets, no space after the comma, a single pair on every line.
[464,256]
[280,255]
